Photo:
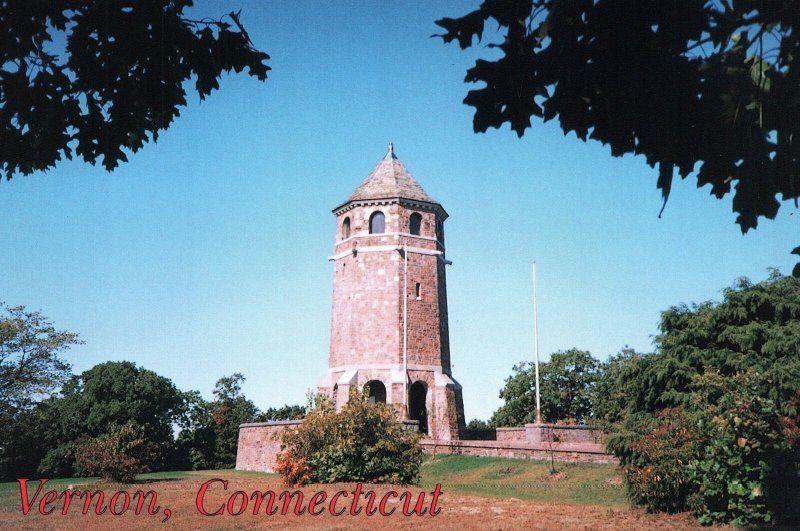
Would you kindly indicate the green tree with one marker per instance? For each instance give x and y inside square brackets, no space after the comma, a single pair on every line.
[116,81]
[110,394]
[478,424]
[710,88]
[285,412]
[228,411]
[733,370]
[210,433]
[30,362]
[611,391]
[567,391]
[31,367]
[755,326]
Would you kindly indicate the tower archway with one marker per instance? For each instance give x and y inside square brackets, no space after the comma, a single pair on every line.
[417,394]
[377,392]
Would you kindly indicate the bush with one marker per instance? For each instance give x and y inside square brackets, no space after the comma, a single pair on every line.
[733,459]
[118,455]
[363,442]
[746,461]
[727,373]
[658,453]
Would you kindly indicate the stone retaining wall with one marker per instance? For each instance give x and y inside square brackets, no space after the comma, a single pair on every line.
[259,443]
[562,433]
[569,452]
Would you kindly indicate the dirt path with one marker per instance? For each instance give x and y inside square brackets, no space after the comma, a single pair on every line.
[458,511]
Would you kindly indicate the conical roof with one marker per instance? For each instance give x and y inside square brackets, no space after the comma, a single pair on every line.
[390,179]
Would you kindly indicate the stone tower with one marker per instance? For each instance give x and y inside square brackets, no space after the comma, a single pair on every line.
[389,317]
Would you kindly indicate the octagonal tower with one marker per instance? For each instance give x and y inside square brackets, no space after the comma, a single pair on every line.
[389,317]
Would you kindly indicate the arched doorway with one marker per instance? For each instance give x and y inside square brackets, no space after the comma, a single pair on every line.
[416,404]
[377,392]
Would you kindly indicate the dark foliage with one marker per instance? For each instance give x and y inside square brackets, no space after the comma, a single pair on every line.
[98,78]
[612,390]
[478,424]
[756,326]
[110,394]
[695,86]
[724,380]
[31,367]
[285,412]
[210,430]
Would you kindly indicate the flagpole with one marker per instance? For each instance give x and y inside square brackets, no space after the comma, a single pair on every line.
[405,328]
[536,346]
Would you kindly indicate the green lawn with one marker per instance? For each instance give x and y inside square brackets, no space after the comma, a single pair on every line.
[580,483]
[577,483]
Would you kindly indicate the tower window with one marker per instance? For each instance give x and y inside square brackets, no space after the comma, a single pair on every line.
[417,291]
[377,223]
[346,228]
[414,223]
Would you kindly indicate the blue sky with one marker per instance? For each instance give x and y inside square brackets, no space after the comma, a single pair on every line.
[206,254]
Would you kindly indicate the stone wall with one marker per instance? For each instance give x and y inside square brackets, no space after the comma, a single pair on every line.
[259,444]
[511,435]
[568,452]
[537,433]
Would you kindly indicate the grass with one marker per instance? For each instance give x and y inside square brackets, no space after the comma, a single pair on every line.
[577,483]
[476,492]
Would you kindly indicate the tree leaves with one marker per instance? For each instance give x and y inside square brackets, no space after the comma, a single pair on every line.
[119,81]
[706,87]
[568,380]
[30,362]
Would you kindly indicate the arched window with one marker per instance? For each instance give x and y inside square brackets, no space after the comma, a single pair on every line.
[418,292]
[377,392]
[377,223]
[346,228]
[414,223]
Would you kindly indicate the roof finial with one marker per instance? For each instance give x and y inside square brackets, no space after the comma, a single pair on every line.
[391,150]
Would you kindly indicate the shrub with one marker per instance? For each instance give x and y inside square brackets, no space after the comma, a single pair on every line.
[363,442]
[746,461]
[733,459]
[654,466]
[118,455]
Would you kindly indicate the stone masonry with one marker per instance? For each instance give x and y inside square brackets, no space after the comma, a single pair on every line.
[390,298]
